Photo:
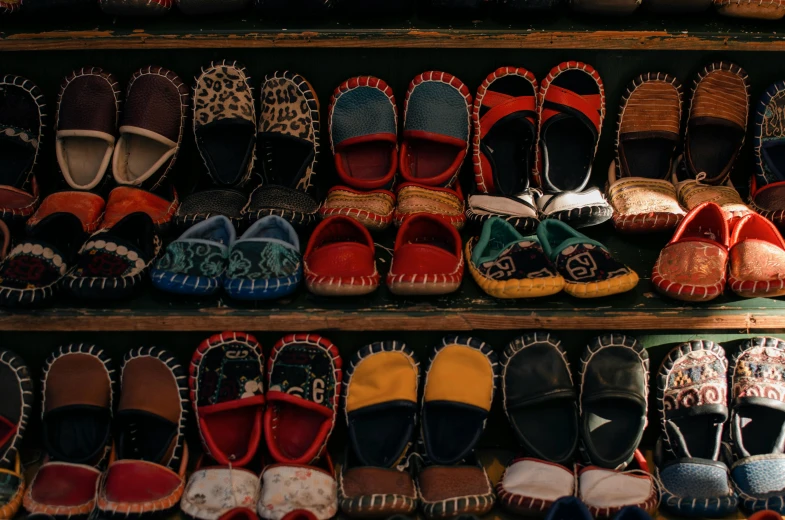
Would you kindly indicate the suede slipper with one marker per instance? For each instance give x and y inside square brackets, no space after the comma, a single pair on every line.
[204,7]
[33,270]
[607,492]
[87,207]
[539,397]
[519,210]
[427,259]
[506,264]
[587,266]
[146,473]
[297,491]
[692,389]
[613,400]
[445,203]
[693,266]
[766,186]
[227,395]
[767,10]
[341,238]
[530,487]
[756,258]
[195,262]
[643,197]
[136,7]
[212,493]
[161,205]
[303,389]
[113,262]
[14,415]
[380,403]
[265,262]
[88,111]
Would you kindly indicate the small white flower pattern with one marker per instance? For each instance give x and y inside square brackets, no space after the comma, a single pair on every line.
[286,488]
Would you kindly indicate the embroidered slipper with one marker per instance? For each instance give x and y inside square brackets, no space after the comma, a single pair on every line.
[265,262]
[87,207]
[692,389]
[613,401]
[380,402]
[693,192]
[639,188]
[428,258]
[113,261]
[289,149]
[136,7]
[568,508]
[588,268]
[14,415]
[756,258]
[161,205]
[373,209]
[88,110]
[303,387]
[151,129]
[530,487]
[195,262]
[150,445]
[519,210]
[444,203]
[607,492]
[202,7]
[506,264]
[693,266]
[221,493]
[227,395]
[298,492]
[345,238]
[462,491]
[770,10]
[766,186]
[539,398]
[33,270]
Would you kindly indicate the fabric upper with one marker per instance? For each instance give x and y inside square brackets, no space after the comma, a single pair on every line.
[270,248]
[200,251]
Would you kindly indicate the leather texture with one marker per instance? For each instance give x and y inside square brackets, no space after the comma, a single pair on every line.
[88,207]
[652,105]
[228,203]
[360,112]
[416,255]
[340,247]
[62,485]
[154,102]
[125,200]
[760,476]
[88,101]
[373,481]
[697,480]
[439,108]
[446,482]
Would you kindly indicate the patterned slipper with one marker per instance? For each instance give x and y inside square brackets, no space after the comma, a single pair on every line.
[768,10]
[221,493]
[530,487]
[136,7]
[506,264]
[227,395]
[265,262]
[587,266]
[520,211]
[756,258]
[303,388]
[643,197]
[766,187]
[298,492]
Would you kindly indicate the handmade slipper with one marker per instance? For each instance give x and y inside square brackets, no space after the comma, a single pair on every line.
[444,203]
[693,192]
[530,487]
[613,401]
[766,186]
[87,207]
[380,402]
[151,129]
[113,261]
[693,266]
[219,493]
[136,7]
[427,259]
[303,388]
[14,415]
[16,205]
[639,188]
[298,492]
[462,491]
[539,397]
[568,508]
[227,395]
[692,389]
[579,210]
[769,10]
[756,258]
[607,492]
[150,449]
[340,237]
[373,209]
[506,264]
[587,266]
[33,270]
[124,200]
[519,210]
[88,110]
[195,262]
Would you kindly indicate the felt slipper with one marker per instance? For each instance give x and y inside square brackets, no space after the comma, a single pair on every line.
[150,449]
[87,207]
[579,210]
[345,238]
[506,264]
[768,10]
[530,487]
[161,205]
[717,121]
[692,389]
[693,266]
[113,261]
[203,7]
[373,209]
[640,191]
[539,397]
[227,395]
[217,493]
[14,415]
[303,387]
[151,129]
[587,266]
[504,120]
[265,262]
[607,492]
[756,258]
[766,186]
[462,491]
[88,110]
[195,262]
[136,7]
[33,270]
[298,492]
[519,210]
[380,402]
[444,203]
[427,259]
[568,508]
[613,400]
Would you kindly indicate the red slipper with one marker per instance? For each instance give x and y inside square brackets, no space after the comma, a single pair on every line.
[125,200]
[88,207]
[757,258]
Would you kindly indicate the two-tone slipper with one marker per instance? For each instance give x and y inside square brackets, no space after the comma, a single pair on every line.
[766,186]
[588,267]
[519,210]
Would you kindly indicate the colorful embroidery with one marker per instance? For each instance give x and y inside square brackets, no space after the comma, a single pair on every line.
[305,372]
[589,263]
[262,260]
[522,260]
[193,259]
[696,379]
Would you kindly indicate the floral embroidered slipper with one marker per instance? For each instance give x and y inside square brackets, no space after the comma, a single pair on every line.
[756,258]
[643,197]
[380,402]
[265,262]
[195,262]
[14,415]
[768,182]
[303,389]
[506,264]
[298,492]
[216,493]
[587,266]
[530,487]
[113,261]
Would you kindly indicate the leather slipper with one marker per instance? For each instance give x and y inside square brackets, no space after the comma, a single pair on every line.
[756,258]
[462,491]
[161,205]
[373,209]
[14,415]
[87,207]
[766,187]
[444,203]
[608,492]
[769,10]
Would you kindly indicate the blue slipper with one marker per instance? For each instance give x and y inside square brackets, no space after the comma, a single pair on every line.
[568,508]
[194,263]
[265,262]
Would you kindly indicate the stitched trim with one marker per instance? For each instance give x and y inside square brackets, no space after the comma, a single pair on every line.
[524,225]
[659,221]
[749,288]
[647,505]
[138,509]
[25,211]
[353,84]
[90,71]
[675,290]
[26,398]
[38,98]
[451,278]
[689,505]
[777,4]
[10,7]
[451,507]
[78,510]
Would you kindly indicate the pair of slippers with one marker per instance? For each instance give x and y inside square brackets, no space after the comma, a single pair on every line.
[364,140]
[263,263]
[506,264]
[82,414]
